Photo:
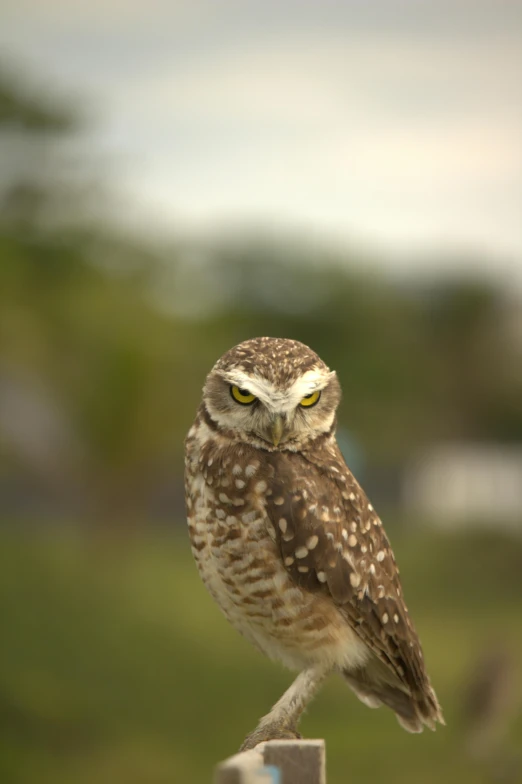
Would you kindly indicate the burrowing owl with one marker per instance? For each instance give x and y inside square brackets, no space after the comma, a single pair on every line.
[287,542]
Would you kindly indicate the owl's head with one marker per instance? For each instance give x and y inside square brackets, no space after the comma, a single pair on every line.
[272,393]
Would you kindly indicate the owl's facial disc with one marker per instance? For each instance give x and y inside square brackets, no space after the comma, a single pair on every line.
[262,412]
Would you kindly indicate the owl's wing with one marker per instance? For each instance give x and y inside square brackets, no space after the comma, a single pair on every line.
[332,541]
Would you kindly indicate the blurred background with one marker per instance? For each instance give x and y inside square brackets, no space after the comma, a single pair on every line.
[176,177]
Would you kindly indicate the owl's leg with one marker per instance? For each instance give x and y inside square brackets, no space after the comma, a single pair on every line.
[281,722]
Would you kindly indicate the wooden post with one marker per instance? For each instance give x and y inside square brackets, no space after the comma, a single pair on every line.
[276,762]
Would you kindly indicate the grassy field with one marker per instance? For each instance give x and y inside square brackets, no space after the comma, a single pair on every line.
[115,665]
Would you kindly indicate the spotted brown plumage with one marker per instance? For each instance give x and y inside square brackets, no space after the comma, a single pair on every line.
[287,542]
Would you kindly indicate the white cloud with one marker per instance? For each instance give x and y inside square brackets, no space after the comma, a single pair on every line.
[403,126]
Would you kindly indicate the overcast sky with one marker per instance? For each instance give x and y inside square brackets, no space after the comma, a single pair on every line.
[394,124]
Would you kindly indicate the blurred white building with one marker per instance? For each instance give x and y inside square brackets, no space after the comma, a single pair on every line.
[462,483]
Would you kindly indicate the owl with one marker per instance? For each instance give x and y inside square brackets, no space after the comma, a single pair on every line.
[288,544]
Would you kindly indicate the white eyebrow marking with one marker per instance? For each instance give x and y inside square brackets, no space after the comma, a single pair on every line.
[281,399]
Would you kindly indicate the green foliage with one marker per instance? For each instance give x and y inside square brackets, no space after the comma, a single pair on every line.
[125,671]
[120,332]
[26,110]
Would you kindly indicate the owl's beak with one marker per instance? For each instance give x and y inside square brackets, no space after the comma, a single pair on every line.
[276,431]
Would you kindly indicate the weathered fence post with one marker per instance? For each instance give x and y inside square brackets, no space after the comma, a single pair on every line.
[276,762]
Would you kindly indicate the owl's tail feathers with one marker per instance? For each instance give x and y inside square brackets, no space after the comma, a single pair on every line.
[413,711]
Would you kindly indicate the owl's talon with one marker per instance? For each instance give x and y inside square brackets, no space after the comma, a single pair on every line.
[269,732]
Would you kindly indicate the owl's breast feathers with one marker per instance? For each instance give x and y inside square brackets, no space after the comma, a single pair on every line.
[318,524]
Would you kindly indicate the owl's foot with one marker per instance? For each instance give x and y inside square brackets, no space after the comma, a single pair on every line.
[271,731]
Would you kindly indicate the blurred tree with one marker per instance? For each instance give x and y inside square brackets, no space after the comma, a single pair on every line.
[88,337]
[478,382]
[119,333]
[26,110]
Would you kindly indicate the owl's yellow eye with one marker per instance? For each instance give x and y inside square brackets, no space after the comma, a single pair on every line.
[242,396]
[310,400]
